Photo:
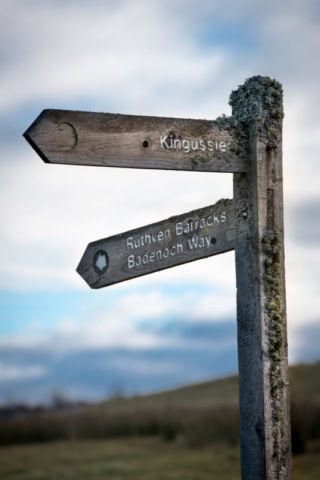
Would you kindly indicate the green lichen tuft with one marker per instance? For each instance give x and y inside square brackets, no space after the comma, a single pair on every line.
[271,246]
[257,102]
[272,270]
[198,160]
[194,163]
[223,121]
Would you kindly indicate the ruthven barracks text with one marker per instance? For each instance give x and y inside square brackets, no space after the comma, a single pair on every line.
[186,235]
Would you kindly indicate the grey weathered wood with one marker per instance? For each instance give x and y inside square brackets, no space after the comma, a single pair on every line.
[261,308]
[114,140]
[168,244]
[253,226]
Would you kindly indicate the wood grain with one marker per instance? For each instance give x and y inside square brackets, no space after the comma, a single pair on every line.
[177,240]
[115,140]
[263,370]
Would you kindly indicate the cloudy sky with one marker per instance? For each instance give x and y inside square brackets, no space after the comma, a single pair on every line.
[177,58]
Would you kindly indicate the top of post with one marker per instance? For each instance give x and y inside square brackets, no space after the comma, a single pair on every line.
[258,104]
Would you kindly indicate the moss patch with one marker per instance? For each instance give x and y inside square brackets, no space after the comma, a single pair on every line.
[257,104]
[271,247]
[272,280]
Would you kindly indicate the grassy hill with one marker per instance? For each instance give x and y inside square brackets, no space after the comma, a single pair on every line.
[305,383]
[220,393]
[197,415]
[187,433]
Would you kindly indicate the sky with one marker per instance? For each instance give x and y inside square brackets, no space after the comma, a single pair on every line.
[157,57]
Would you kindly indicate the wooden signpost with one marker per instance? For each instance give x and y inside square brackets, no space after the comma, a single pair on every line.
[177,240]
[249,145]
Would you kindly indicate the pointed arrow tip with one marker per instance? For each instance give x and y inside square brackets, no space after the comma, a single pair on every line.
[82,269]
[29,137]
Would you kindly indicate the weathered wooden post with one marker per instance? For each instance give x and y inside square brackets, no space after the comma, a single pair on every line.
[249,145]
[257,114]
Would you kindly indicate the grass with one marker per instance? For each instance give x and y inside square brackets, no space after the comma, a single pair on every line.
[147,458]
[187,433]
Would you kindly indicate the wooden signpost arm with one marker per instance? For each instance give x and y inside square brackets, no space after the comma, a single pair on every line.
[132,141]
[261,309]
[177,240]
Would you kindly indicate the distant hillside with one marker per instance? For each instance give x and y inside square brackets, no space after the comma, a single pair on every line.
[305,383]
[200,414]
[215,393]
[304,388]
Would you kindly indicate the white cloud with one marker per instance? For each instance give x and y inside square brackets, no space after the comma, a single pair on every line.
[216,305]
[52,213]
[107,52]
[123,324]
[10,372]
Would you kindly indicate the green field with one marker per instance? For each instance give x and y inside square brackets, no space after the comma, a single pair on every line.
[187,433]
[136,459]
